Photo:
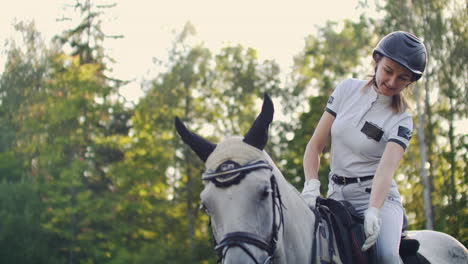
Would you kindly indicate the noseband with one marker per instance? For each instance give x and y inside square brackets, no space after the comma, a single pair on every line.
[230,173]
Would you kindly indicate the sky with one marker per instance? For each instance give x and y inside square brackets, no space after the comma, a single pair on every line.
[275,28]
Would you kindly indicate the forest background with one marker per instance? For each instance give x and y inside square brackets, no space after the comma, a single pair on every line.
[87,176]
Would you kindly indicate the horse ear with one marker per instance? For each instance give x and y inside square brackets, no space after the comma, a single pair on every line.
[202,147]
[257,135]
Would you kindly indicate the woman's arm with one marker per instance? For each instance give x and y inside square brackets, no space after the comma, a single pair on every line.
[316,145]
[384,174]
[380,187]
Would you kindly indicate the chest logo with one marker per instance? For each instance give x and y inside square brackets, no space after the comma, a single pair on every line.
[372,131]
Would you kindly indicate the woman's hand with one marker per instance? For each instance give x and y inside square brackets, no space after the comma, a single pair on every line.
[372,224]
[311,191]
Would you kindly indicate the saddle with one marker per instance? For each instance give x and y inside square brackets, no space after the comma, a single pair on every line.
[348,228]
[409,251]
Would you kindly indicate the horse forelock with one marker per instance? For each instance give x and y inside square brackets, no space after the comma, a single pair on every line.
[233,148]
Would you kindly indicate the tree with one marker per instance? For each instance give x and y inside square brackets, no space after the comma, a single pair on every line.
[215,95]
[25,69]
[67,131]
[86,37]
[328,57]
[22,239]
[439,24]
[453,75]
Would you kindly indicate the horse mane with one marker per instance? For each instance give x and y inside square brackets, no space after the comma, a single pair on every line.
[279,175]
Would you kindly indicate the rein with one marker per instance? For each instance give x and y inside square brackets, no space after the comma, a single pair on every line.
[230,173]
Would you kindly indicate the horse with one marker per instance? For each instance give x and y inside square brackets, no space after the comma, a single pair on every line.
[257,216]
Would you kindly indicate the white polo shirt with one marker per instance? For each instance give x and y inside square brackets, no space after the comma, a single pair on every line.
[364,124]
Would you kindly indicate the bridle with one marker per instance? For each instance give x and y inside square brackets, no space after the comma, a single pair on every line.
[230,173]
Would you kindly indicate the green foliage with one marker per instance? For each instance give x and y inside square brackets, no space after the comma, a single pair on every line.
[317,70]
[293,156]
[323,63]
[10,167]
[22,239]
[86,36]
[439,24]
[65,134]
[84,179]
[202,89]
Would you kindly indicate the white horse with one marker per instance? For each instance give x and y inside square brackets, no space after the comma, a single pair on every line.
[258,217]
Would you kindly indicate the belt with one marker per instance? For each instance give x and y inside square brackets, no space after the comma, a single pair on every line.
[345,180]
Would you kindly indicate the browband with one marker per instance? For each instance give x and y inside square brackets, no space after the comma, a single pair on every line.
[207,176]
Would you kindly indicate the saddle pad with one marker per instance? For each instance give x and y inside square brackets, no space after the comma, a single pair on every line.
[347,228]
[415,259]
[408,246]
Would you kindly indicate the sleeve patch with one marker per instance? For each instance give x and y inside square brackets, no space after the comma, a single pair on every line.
[330,100]
[404,132]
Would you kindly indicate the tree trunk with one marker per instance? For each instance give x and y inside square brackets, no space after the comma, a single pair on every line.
[430,139]
[452,153]
[189,186]
[71,253]
[422,150]
[453,164]
[190,212]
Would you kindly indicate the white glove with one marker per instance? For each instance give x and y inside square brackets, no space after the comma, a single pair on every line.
[311,191]
[372,223]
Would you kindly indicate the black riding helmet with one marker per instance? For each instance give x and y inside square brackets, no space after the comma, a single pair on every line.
[406,49]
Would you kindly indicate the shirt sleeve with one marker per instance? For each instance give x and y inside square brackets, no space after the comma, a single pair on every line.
[402,132]
[334,101]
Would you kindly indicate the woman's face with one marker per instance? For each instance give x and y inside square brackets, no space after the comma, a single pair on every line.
[391,77]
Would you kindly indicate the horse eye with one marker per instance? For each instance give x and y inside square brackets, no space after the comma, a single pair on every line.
[266,192]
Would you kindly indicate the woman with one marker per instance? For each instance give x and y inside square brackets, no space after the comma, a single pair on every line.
[370,130]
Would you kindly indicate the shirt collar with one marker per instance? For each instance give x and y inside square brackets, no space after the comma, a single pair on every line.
[379,98]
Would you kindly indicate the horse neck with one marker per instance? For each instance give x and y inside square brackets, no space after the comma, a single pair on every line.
[299,223]
[296,239]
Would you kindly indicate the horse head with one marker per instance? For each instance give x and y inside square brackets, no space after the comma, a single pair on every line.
[240,194]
